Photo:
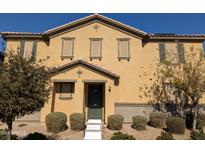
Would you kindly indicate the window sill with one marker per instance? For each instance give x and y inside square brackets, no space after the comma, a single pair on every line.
[99,58]
[65,98]
[171,64]
[67,57]
[124,58]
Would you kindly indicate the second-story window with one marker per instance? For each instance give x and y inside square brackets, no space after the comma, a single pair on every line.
[28,49]
[95,48]
[67,48]
[123,48]
[172,52]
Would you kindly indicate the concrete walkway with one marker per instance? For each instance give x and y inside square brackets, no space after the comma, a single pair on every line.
[93,129]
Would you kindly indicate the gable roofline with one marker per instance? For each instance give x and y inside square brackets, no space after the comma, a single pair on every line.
[98,18]
[104,20]
[75,24]
[87,65]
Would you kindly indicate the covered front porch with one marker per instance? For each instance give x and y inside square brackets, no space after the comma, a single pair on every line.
[81,88]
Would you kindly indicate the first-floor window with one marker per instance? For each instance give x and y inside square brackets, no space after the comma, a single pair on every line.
[66,89]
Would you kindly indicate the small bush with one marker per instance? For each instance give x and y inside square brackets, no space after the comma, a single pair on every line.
[176,125]
[157,119]
[200,123]
[77,121]
[139,122]
[35,136]
[115,122]
[56,122]
[197,135]
[4,135]
[165,136]
[121,136]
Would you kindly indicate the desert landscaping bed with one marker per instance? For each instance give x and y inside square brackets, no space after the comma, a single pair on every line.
[150,133]
[22,129]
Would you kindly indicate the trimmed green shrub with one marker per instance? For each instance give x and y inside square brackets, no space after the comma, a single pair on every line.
[121,136]
[115,122]
[157,120]
[200,123]
[139,122]
[176,125]
[56,122]
[165,136]
[197,135]
[77,121]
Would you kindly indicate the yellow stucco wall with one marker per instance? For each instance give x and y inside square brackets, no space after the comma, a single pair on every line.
[134,73]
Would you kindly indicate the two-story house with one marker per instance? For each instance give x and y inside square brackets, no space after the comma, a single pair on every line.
[101,64]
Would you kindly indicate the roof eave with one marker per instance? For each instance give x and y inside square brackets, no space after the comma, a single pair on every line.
[92,18]
[86,64]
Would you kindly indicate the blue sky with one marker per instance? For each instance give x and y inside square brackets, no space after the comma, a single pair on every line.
[148,22]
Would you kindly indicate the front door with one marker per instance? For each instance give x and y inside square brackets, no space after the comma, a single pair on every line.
[95,101]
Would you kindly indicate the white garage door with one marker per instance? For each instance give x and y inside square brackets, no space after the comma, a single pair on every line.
[129,110]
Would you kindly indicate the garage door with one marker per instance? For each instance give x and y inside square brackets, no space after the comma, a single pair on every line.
[30,118]
[129,110]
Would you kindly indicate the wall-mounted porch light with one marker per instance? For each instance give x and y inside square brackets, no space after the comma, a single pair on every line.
[109,89]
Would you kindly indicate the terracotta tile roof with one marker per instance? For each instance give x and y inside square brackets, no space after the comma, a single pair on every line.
[85,64]
[21,33]
[171,35]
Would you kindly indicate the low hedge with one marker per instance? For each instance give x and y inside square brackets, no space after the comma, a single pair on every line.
[165,136]
[121,136]
[157,120]
[176,125]
[115,122]
[56,122]
[77,121]
[139,122]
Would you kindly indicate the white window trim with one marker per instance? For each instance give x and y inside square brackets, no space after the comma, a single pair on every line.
[95,39]
[118,41]
[67,38]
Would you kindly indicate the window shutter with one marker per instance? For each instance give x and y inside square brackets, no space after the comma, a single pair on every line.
[124,49]
[181,53]
[22,45]
[162,53]
[67,48]
[34,50]
[95,49]
[28,49]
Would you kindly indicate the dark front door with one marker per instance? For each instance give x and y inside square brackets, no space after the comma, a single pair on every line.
[95,101]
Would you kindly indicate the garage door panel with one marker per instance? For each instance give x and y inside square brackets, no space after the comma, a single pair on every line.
[129,110]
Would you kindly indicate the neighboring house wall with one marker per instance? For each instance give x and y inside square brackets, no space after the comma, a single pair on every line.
[134,73]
